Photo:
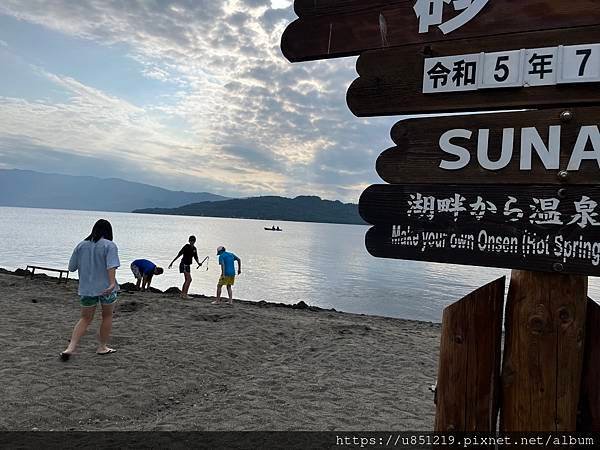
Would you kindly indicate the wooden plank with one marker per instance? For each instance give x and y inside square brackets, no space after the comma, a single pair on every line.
[590,387]
[543,352]
[350,28]
[445,233]
[391,81]
[305,8]
[449,245]
[469,367]
[418,156]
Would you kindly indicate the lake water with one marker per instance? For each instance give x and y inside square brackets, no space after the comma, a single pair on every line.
[322,264]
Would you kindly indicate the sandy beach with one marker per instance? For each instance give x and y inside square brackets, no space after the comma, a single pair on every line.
[190,365]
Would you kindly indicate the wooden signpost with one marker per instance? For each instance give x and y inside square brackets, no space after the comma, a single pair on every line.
[334,28]
[492,73]
[534,227]
[514,189]
[557,147]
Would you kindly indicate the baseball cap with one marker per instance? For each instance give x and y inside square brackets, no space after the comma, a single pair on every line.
[220,249]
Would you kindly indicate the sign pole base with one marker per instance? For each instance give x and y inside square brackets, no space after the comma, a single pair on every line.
[543,352]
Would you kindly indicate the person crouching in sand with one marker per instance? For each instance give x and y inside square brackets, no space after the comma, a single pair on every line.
[143,271]
[227,263]
[188,251]
[96,259]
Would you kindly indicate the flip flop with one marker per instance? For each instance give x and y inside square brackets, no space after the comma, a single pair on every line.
[110,350]
[64,356]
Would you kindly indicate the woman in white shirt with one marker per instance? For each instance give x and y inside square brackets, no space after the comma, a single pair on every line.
[96,259]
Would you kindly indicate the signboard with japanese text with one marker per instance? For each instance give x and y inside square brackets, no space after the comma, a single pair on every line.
[515,68]
[515,189]
[531,227]
[543,147]
[535,70]
[335,28]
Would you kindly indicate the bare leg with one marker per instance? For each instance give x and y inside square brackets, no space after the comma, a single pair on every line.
[186,285]
[230,293]
[218,300]
[87,315]
[139,282]
[105,328]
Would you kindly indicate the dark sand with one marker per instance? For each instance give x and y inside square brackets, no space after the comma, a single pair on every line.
[190,365]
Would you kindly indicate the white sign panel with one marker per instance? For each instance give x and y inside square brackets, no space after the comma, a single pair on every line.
[579,63]
[452,73]
[540,66]
[502,69]
[513,68]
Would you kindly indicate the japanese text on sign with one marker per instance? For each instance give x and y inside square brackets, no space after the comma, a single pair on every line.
[514,68]
[431,12]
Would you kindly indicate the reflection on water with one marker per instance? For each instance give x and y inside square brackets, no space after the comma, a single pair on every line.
[322,264]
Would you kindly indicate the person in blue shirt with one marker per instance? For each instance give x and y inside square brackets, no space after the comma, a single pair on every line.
[96,259]
[143,271]
[227,263]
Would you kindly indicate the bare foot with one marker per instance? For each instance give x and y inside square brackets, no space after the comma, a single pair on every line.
[186,297]
[216,302]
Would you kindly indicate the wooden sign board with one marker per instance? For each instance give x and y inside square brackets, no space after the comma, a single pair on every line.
[533,227]
[556,146]
[334,28]
[541,69]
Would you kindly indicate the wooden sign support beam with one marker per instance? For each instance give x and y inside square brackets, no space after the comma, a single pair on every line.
[469,369]
[589,400]
[543,351]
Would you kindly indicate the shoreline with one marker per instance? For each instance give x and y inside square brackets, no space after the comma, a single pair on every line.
[194,366]
[174,291]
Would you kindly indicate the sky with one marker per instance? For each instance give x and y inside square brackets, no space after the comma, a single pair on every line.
[185,94]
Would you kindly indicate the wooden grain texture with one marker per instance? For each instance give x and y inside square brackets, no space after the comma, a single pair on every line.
[352,29]
[543,352]
[391,81]
[309,8]
[493,240]
[469,365]
[379,243]
[388,203]
[590,387]
[417,157]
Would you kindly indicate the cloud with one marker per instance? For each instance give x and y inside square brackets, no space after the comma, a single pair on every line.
[245,109]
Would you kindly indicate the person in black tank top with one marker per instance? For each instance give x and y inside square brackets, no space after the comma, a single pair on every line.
[188,253]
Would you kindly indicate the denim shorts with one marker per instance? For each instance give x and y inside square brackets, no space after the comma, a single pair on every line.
[87,302]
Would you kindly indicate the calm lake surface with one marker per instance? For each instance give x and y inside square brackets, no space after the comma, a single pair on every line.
[323,265]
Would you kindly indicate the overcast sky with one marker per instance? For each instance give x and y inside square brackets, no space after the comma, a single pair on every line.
[184,94]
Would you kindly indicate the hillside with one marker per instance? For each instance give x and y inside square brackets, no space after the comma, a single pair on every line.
[299,209]
[40,190]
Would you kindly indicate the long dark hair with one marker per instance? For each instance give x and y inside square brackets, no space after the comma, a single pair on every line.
[102,230]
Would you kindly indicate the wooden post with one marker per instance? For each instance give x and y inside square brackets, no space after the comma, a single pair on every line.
[590,386]
[469,368]
[543,351]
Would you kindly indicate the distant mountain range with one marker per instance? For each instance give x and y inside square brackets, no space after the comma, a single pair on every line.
[299,209]
[40,190]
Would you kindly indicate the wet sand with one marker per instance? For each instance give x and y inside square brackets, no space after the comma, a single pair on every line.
[190,365]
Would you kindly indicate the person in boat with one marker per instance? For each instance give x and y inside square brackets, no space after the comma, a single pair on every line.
[187,252]
[143,271]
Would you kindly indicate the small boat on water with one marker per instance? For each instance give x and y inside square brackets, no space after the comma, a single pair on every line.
[273,229]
